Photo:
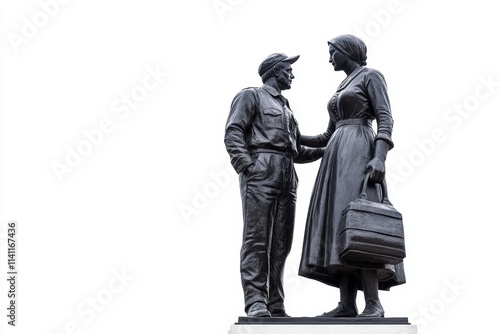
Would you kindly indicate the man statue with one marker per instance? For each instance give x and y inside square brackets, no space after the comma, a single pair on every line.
[263,141]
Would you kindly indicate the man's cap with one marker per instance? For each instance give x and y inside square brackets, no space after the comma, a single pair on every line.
[274,59]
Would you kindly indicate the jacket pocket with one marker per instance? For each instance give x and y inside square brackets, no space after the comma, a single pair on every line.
[272,118]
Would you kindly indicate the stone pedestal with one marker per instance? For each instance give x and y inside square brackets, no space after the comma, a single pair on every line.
[322,326]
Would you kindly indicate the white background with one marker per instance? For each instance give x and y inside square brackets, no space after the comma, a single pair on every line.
[155,198]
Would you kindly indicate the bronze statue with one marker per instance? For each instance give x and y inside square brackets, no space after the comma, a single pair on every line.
[263,141]
[352,149]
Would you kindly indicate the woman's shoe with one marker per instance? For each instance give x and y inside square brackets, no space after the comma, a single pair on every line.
[373,309]
[341,311]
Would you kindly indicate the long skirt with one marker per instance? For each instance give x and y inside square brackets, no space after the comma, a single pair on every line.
[338,182]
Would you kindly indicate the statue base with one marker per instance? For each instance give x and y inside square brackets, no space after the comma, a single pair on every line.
[320,325]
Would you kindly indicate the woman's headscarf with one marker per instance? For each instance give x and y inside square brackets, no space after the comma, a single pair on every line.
[350,46]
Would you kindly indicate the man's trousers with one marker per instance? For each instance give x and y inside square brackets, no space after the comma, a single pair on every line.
[268,192]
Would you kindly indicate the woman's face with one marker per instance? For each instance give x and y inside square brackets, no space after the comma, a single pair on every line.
[337,59]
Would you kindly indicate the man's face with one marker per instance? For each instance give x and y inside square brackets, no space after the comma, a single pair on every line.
[285,77]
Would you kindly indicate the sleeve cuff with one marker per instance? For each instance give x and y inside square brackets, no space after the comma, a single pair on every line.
[385,138]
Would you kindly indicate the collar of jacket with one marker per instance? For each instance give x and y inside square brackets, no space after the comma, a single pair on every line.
[271,90]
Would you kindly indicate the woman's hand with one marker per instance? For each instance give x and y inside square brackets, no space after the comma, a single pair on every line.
[376,168]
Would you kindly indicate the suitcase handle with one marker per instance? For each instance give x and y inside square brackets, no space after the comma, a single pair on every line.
[383,185]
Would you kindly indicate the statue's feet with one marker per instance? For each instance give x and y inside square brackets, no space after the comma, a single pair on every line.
[341,311]
[258,309]
[373,309]
[277,310]
[279,314]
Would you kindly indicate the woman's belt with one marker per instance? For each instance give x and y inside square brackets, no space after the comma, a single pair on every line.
[353,121]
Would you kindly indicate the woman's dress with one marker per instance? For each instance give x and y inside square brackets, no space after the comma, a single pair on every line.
[350,139]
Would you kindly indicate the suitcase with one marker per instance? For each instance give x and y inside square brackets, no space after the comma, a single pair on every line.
[372,232]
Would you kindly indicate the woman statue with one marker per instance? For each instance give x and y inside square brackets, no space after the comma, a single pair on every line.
[352,150]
